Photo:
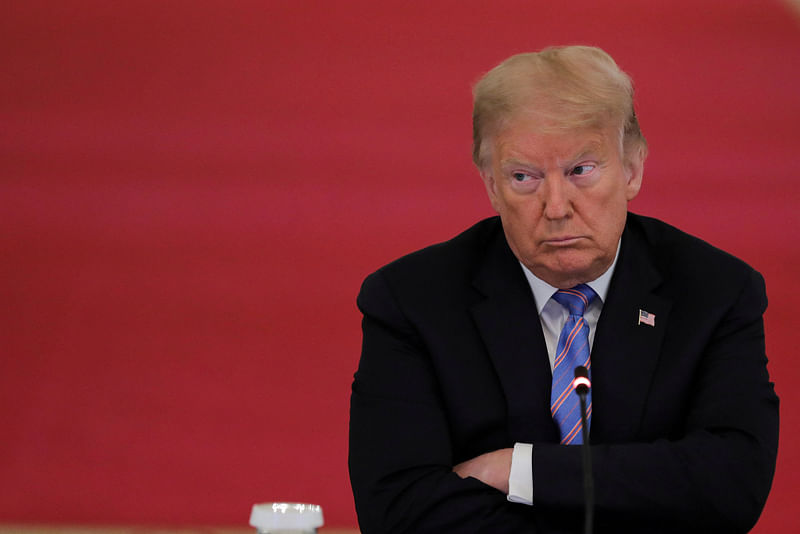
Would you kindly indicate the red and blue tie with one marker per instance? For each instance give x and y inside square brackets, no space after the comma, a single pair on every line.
[572,351]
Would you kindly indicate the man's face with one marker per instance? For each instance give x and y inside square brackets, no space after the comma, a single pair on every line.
[562,196]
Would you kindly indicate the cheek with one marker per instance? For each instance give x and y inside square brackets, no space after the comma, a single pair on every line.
[613,223]
[602,216]
[524,225]
[522,211]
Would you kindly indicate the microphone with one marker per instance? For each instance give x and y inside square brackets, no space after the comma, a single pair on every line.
[582,385]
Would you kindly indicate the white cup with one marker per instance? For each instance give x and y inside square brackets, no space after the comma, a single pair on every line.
[286,518]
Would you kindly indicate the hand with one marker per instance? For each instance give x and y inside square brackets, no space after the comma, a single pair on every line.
[491,468]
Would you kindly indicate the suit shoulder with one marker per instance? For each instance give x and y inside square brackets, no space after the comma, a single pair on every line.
[450,263]
[451,256]
[686,257]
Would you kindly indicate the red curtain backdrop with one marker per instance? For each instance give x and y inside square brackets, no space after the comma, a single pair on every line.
[191,193]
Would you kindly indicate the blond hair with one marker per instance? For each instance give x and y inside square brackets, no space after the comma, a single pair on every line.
[571,87]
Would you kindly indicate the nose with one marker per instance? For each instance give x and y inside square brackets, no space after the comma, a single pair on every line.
[556,198]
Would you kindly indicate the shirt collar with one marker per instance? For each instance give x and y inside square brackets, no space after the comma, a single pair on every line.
[542,291]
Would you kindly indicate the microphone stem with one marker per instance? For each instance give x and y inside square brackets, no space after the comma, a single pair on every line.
[588,482]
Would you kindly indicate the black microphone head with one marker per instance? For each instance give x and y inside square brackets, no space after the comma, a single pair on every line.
[581,384]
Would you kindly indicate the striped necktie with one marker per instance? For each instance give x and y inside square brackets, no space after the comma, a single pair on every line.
[572,350]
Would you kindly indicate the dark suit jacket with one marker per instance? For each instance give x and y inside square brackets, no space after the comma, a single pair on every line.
[685,419]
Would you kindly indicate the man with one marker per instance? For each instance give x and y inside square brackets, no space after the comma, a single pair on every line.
[460,418]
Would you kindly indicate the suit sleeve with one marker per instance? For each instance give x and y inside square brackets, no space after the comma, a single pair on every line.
[716,477]
[400,455]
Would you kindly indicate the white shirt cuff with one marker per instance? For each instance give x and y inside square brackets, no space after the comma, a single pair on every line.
[520,480]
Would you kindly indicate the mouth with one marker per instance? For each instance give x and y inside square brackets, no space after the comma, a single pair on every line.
[563,241]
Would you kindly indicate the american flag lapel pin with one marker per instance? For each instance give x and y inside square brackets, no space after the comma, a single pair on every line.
[647,318]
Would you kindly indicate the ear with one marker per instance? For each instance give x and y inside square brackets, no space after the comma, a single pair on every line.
[491,187]
[634,171]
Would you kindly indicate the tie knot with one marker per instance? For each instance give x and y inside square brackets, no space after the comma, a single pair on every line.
[575,299]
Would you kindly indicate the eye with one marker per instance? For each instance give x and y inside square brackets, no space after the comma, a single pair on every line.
[521,179]
[582,170]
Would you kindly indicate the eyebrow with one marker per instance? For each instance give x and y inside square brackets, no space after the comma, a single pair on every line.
[594,148]
[591,148]
[515,162]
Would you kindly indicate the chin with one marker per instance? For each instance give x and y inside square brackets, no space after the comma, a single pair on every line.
[566,271]
[572,263]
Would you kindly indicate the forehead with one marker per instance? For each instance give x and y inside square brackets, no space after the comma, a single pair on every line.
[526,138]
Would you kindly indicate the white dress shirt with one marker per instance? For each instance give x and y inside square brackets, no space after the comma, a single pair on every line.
[552,316]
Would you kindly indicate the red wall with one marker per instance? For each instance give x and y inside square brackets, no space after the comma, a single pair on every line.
[191,193]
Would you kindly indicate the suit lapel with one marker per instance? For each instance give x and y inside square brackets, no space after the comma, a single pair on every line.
[625,352]
[510,328]
[624,355]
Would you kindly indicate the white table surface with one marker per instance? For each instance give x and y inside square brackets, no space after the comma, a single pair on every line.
[116,529]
